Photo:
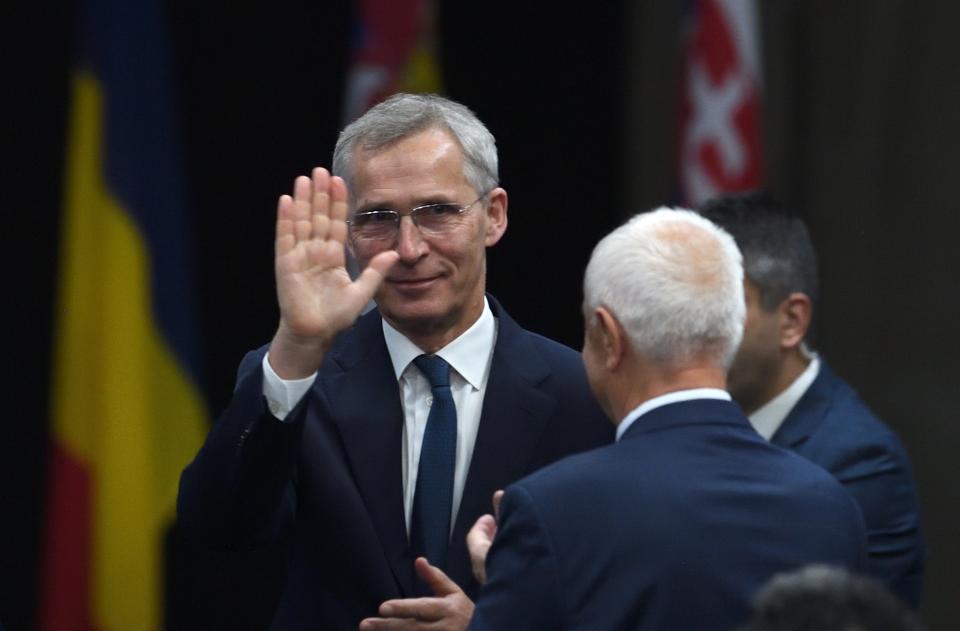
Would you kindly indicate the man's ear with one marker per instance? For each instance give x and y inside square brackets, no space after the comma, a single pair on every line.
[795,314]
[612,338]
[496,216]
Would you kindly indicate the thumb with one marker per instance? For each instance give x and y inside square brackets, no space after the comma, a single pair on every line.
[439,583]
[497,498]
[373,275]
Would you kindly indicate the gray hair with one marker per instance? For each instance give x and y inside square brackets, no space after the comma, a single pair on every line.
[777,251]
[674,281]
[404,115]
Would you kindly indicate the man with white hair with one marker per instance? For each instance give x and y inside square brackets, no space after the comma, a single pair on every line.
[678,523]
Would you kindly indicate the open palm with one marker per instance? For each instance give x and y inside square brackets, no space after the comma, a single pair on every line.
[317,297]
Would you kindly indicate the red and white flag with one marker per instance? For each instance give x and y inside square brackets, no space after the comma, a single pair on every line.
[393,52]
[719,134]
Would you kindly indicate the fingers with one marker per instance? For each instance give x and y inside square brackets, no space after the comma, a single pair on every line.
[320,203]
[497,498]
[302,192]
[479,540]
[449,609]
[338,209]
[422,609]
[483,531]
[285,239]
[317,210]
[388,624]
[434,577]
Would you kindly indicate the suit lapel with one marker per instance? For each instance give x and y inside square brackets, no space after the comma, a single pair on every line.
[806,416]
[515,412]
[365,404]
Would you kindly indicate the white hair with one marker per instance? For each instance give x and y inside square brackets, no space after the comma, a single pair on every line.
[674,281]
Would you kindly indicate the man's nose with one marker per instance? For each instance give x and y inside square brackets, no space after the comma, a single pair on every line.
[410,243]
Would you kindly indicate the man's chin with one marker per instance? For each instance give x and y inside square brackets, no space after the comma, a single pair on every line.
[418,316]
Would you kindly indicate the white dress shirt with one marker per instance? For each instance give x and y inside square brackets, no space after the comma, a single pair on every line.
[666,399]
[469,356]
[768,419]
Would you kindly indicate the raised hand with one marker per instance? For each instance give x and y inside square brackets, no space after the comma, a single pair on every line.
[449,610]
[317,297]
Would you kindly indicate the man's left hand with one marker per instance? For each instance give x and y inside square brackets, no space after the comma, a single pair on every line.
[449,610]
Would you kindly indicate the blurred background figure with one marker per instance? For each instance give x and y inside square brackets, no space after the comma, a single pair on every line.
[825,598]
[795,400]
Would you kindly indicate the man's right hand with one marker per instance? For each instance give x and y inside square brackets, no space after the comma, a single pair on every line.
[317,297]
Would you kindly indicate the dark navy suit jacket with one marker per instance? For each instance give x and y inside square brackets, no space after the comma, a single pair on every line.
[673,527]
[832,427]
[330,480]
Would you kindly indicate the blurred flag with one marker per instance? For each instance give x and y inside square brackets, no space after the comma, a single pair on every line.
[127,414]
[393,51]
[720,148]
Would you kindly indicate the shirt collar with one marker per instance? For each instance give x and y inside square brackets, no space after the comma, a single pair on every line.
[666,399]
[768,419]
[468,354]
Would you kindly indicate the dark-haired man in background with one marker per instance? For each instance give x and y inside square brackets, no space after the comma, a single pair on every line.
[793,398]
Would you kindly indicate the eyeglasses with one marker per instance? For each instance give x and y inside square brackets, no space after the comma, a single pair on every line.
[381,225]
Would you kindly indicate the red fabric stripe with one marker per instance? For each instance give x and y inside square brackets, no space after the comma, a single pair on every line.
[65,577]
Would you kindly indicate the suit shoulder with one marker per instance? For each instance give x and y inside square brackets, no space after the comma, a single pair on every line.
[565,365]
[552,348]
[850,425]
[564,476]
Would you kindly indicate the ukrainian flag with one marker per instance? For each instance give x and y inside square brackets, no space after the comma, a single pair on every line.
[127,412]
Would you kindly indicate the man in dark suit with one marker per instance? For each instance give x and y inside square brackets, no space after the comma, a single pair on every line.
[678,523]
[793,398]
[369,441]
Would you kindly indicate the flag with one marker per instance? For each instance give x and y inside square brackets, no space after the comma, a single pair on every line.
[720,107]
[393,51]
[127,414]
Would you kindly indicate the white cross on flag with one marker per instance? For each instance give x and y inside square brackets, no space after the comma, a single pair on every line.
[719,133]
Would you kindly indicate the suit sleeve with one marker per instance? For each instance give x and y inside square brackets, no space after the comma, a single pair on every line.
[877,474]
[523,580]
[239,490]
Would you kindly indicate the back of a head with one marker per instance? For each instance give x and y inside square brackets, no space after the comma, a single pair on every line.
[404,115]
[674,281]
[823,598]
[778,255]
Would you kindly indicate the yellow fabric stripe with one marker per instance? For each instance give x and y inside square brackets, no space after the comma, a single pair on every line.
[121,404]
[421,73]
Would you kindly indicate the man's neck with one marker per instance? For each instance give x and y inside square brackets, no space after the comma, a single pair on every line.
[655,383]
[430,337]
[794,363]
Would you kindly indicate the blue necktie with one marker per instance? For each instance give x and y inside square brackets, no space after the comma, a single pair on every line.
[433,499]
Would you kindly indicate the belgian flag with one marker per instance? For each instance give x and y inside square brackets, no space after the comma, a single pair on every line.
[127,413]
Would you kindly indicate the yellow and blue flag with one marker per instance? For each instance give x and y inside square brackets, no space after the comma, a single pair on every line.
[127,413]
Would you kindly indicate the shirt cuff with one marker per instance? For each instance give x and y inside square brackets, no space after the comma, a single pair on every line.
[283,395]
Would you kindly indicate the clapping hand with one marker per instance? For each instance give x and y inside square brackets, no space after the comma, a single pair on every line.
[480,538]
